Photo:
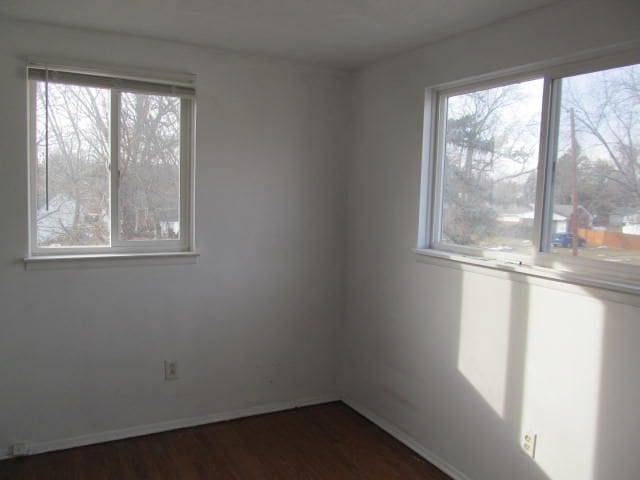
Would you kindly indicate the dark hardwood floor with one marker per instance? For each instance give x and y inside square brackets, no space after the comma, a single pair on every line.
[328,441]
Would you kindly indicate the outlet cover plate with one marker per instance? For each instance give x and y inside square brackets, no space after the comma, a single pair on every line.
[529,441]
[170,369]
[19,449]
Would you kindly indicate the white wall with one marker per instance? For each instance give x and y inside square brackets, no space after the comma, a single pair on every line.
[252,322]
[462,361]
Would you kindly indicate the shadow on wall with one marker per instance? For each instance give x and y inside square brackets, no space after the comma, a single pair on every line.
[454,381]
[491,360]
[560,365]
[498,357]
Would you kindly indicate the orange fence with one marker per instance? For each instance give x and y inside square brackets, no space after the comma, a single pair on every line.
[610,239]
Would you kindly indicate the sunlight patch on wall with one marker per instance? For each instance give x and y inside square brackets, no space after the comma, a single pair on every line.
[484,336]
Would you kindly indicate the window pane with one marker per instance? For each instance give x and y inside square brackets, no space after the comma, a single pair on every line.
[490,163]
[149,192]
[78,185]
[596,194]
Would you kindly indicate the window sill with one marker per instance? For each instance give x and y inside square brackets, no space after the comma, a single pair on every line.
[547,277]
[41,262]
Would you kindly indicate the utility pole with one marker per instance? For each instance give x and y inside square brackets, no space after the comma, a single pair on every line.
[574,187]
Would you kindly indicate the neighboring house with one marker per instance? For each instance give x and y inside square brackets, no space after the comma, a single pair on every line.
[626,219]
[523,217]
[512,214]
[618,215]
[632,224]
[169,219]
[54,220]
[147,222]
[151,209]
[559,225]
[585,218]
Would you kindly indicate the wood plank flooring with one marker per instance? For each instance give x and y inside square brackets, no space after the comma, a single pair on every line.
[329,441]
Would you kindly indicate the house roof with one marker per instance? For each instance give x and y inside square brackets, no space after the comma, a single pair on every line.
[567,210]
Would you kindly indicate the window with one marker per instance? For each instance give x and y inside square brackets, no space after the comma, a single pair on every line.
[490,151]
[541,168]
[110,164]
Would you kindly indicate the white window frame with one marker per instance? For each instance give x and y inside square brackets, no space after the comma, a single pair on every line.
[429,240]
[118,84]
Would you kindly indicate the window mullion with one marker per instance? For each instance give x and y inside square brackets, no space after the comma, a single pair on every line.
[545,186]
[115,166]
[545,169]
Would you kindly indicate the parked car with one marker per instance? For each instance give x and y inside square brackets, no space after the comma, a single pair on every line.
[566,240]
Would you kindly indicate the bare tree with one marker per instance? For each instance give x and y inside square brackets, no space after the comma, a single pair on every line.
[78,138]
[488,152]
[607,113]
[149,165]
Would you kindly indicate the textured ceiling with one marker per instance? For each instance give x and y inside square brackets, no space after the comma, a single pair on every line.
[343,33]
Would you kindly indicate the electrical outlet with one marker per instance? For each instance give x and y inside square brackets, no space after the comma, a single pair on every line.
[170,369]
[19,450]
[529,441]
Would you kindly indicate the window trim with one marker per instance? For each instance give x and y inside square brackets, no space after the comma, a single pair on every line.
[120,84]
[432,178]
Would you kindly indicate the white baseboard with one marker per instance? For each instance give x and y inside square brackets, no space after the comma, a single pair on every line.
[408,440]
[110,435]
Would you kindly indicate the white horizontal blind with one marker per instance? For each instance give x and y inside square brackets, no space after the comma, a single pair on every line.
[54,75]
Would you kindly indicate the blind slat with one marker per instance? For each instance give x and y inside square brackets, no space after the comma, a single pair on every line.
[99,81]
